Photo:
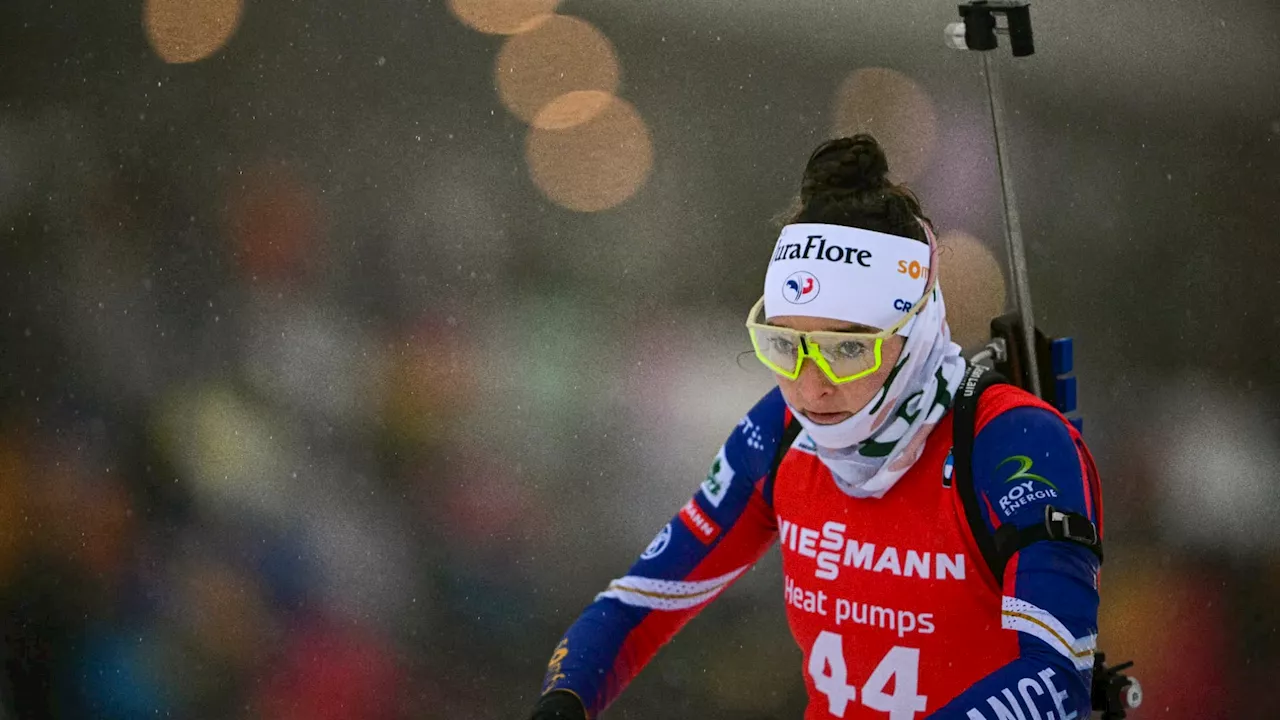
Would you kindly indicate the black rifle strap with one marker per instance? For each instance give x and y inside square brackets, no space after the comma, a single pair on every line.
[963,427]
[997,549]
[1057,525]
[789,435]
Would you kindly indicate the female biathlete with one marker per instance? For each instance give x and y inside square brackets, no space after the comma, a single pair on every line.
[847,465]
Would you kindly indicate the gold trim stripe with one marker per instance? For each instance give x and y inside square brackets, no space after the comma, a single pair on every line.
[665,596]
[1051,631]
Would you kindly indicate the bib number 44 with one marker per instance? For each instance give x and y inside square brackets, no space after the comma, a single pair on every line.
[901,666]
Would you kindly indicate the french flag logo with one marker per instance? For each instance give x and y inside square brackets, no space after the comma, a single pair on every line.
[800,288]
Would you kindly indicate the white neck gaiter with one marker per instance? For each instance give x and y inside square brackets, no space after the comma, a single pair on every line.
[868,452]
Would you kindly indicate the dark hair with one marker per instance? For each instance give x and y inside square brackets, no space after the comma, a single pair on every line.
[846,182]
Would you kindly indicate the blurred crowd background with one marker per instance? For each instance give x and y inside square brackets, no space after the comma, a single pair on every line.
[347,349]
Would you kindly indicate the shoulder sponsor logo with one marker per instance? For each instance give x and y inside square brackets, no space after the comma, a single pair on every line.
[699,523]
[658,544]
[750,430]
[832,551]
[1025,465]
[716,486]
[1029,488]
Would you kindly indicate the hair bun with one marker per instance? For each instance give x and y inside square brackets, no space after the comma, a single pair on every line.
[847,164]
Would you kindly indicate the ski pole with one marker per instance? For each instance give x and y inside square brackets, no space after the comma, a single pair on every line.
[1113,693]
[977,31]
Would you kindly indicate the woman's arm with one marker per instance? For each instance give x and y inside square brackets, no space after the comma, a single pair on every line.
[1025,459]
[716,536]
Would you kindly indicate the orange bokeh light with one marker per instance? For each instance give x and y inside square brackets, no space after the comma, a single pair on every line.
[559,56]
[502,17]
[594,165]
[974,284]
[571,108]
[896,110]
[183,31]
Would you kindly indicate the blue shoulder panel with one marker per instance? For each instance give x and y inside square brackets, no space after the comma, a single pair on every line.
[1024,459]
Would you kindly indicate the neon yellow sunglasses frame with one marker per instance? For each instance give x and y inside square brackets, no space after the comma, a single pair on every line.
[810,349]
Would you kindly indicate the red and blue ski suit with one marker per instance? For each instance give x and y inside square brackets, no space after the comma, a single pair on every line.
[890,601]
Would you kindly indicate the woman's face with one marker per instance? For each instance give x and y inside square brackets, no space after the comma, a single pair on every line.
[821,400]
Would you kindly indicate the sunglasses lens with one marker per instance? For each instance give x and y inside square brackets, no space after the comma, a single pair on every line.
[777,348]
[847,356]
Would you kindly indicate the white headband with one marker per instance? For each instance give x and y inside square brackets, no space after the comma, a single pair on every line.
[846,273]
